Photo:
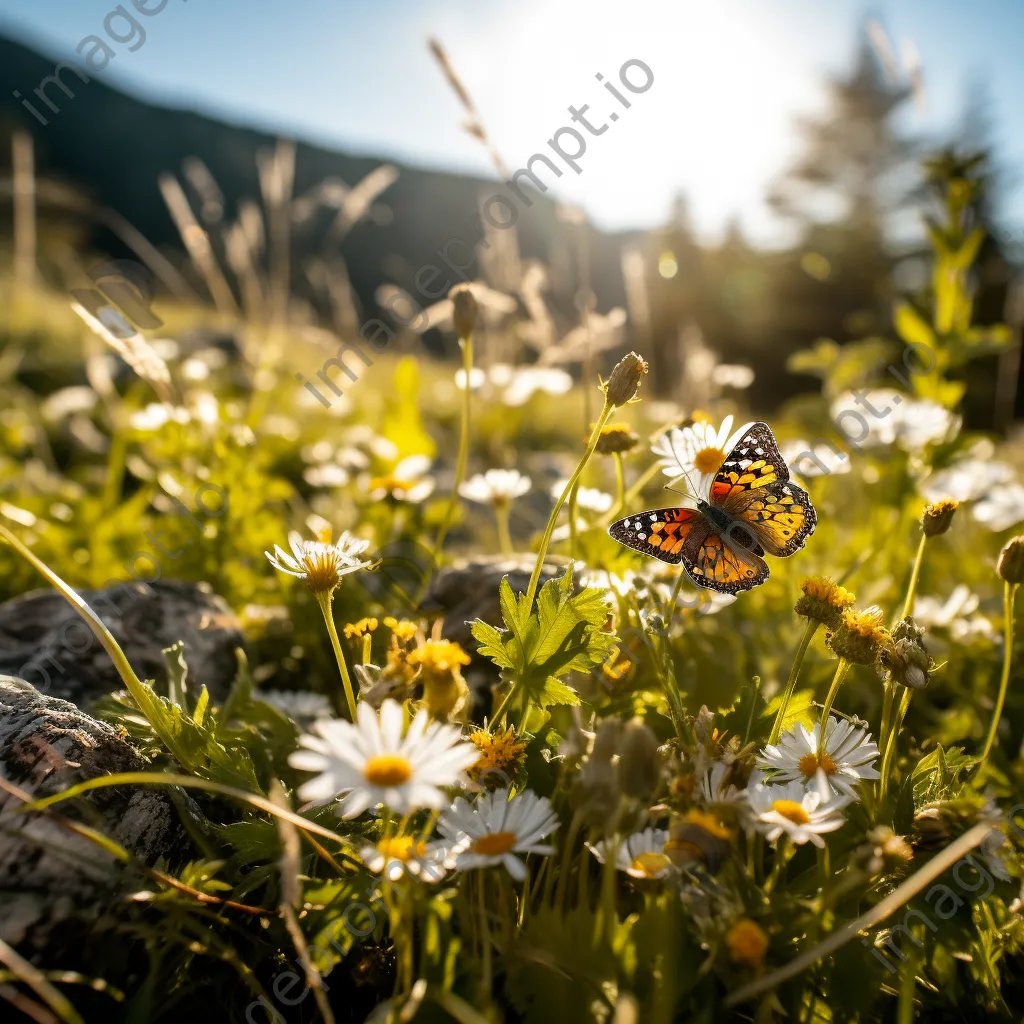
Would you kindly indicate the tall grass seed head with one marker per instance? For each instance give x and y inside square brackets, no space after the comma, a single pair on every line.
[622,386]
[1011,561]
[823,600]
[465,312]
[938,517]
[860,636]
[616,438]
[747,943]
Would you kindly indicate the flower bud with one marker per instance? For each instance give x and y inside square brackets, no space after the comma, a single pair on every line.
[624,383]
[699,837]
[883,851]
[908,662]
[937,518]
[639,763]
[1011,561]
[466,310]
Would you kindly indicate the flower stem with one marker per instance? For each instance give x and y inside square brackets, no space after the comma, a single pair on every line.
[501,514]
[460,466]
[573,493]
[506,703]
[908,604]
[794,674]
[894,735]
[324,600]
[837,680]
[545,541]
[620,486]
[1009,594]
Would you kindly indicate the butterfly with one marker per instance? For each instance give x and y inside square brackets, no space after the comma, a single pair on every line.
[751,509]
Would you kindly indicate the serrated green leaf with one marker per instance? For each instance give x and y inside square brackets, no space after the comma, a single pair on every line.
[492,644]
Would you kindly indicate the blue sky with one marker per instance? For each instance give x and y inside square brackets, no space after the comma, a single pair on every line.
[729,78]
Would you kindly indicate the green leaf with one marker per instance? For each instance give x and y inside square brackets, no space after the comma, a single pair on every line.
[491,644]
[937,775]
[911,326]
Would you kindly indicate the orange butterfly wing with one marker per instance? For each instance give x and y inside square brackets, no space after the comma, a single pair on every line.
[660,532]
[754,489]
[719,564]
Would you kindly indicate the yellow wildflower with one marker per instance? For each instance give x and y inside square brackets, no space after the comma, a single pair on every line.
[860,636]
[823,600]
[937,518]
[359,628]
[501,756]
[747,943]
[401,629]
[616,438]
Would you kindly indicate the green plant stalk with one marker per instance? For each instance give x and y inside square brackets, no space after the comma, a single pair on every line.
[36,980]
[506,703]
[893,739]
[1009,595]
[887,701]
[794,675]
[566,863]
[367,647]
[908,604]
[324,600]
[620,486]
[460,465]
[595,434]
[572,519]
[501,516]
[148,702]
[837,680]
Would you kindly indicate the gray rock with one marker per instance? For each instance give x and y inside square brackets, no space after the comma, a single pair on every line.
[43,639]
[53,882]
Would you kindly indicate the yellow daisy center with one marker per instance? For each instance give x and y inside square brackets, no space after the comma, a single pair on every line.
[709,460]
[494,844]
[402,848]
[791,811]
[650,865]
[387,770]
[810,763]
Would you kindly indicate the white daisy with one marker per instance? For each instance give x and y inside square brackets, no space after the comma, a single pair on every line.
[641,855]
[529,379]
[713,788]
[811,460]
[1001,508]
[408,481]
[832,772]
[494,828]
[496,487]
[589,498]
[966,480]
[404,855]
[321,564]
[793,811]
[958,613]
[297,705]
[923,423]
[885,416]
[695,454]
[372,763]
[733,375]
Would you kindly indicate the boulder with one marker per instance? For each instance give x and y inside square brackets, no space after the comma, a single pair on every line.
[54,884]
[45,641]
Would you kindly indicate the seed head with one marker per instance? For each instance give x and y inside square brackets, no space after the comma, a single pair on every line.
[624,383]
[860,636]
[823,600]
[639,763]
[937,518]
[1011,561]
[884,851]
[616,438]
[747,943]
[908,662]
[465,314]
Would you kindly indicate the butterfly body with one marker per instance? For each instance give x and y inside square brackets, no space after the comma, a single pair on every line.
[751,509]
